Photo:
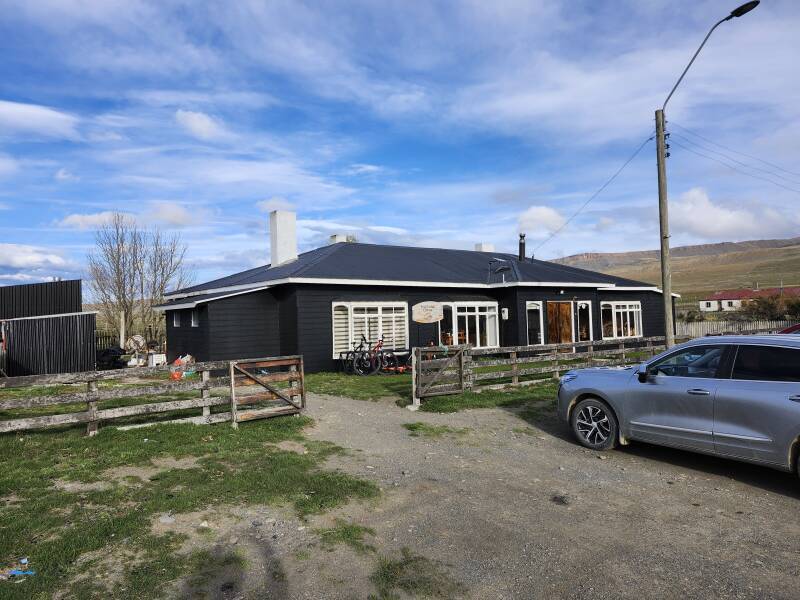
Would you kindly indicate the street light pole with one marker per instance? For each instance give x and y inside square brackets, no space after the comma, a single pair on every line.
[661,160]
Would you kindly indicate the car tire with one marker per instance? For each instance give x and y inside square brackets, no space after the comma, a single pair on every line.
[594,424]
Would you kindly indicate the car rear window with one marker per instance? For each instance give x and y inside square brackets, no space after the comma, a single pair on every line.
[767,363]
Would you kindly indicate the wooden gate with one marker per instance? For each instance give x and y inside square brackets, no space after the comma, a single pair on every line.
[281,388]
[443,371]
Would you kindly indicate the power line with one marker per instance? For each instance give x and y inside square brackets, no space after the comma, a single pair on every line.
[733,168]
[732,159]
[694,133]
[597,193]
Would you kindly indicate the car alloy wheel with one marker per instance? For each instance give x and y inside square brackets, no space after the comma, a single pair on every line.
[593,425]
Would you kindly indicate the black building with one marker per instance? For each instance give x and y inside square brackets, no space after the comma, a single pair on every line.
[320,302]
[42,329]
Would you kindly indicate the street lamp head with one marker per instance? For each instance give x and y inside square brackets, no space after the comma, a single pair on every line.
[744,9]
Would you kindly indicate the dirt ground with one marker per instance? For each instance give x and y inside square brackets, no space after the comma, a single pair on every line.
[514,509]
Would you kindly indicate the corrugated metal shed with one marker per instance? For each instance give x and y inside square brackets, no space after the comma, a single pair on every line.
[46,345]
[36,299]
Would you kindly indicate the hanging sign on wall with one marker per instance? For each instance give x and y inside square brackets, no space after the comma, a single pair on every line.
[427,312]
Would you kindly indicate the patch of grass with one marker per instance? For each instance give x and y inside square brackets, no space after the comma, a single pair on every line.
[370,387]
[346,533]
[416,576]
[419,429]
[511,397]
[54,527]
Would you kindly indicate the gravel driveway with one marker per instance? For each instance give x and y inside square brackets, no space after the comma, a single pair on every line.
[515,509]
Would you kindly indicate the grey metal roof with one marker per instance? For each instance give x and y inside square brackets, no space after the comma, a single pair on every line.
[372,262]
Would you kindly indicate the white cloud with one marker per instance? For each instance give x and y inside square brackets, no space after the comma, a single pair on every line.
[8,166]
[64,175]
[362,169]
[538,221]
[604,224]
[694,213]
[274,203]
[19,118]
[388,229]
[20,256]
[200,125]
[172,214]
[87,221]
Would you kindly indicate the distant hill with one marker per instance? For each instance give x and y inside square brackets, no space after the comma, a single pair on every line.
[706,267]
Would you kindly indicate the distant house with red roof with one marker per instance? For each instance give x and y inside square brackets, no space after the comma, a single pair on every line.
[732,300]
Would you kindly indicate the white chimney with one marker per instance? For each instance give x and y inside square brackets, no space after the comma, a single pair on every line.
[337,238]
[282,237]
[483,247]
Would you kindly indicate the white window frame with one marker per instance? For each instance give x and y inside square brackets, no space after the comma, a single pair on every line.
[455,306]
[540,305]
[350,335]
[176,318]
[575,329]
[614,306]
[195,318]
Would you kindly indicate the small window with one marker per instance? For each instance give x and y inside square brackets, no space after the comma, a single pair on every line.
[621,319]
[708,304]
[195,318]
[730,303]
[176,318]
[535,329]
[697,361]
[767,363]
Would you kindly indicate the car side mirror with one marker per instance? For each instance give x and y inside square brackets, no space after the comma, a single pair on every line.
[644,375]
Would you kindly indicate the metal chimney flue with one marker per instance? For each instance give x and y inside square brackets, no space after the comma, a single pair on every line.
[521,247]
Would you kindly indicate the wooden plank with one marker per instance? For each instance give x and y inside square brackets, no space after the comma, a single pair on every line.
[275,377]
[202,420]
[277,361]
[234,422]
[91,408]
[155,407]
[41,422]
[286,398]
[267,396]
[250,415]
[83,377]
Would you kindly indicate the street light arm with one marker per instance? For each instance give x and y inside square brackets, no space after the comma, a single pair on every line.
[705,39]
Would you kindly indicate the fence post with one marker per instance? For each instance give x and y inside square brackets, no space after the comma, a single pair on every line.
[590,352]
[415,366]
[467,367]
[91,407]
[622,346]
[302,383]
[234,421]
[205,392]
[514,368]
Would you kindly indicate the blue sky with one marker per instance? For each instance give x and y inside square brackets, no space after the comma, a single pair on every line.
[423,123]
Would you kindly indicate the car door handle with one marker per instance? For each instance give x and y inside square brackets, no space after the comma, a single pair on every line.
[699,392]
[795,398]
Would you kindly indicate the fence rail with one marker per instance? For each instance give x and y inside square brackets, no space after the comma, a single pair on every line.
[442,370]
[701,328]
[282,377]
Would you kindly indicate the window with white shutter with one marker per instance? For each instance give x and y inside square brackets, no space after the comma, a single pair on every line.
[372,320]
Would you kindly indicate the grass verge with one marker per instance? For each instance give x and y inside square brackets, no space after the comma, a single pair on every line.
[349,534]
[370,387]
[491,398]
[415,575]
[101,510]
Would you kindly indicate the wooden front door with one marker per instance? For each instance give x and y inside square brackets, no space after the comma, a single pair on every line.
[559,322]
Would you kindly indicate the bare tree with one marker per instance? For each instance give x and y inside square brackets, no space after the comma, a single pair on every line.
[131,269]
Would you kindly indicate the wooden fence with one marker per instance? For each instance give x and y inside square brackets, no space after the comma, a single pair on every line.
[701,328]
[440,371]
[281,377]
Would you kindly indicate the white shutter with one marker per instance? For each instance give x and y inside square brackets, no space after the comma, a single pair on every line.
[341,329]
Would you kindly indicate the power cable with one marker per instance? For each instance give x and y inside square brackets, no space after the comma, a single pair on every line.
[761,160]
[732,159]
[732,168]
[597,193]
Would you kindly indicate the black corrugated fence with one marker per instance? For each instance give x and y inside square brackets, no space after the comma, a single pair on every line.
[58,344]
[37,299]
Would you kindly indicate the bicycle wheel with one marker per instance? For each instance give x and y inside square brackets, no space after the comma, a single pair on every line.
[362,363]
[389,362]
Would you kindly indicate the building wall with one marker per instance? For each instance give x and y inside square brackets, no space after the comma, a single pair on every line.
[187,339]
[709,305]
[298,319]
[38,299]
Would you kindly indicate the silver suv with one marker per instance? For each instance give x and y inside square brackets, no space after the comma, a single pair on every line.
[734,396]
